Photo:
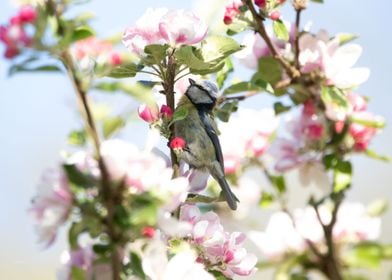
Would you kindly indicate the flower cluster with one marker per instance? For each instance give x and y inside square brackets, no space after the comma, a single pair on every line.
[253,139]
[95,50]
[161,26]
[218,250]
[14,35]
[231,11]
[284,234]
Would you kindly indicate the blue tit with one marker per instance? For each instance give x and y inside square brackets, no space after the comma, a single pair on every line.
[199,130]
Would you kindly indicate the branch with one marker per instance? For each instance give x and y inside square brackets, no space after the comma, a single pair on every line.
[260,28]
[296,43]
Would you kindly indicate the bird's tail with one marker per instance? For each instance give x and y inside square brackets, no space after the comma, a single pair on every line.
[228,194]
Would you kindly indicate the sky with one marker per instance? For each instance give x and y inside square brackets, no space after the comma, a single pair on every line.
[37,111]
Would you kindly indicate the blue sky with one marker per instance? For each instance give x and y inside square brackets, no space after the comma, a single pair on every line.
[37,111]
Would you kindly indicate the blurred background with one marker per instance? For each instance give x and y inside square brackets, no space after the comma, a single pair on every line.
[37,111]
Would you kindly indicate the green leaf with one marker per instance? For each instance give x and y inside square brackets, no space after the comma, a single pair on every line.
[330,161]
[258,85]
[342,176]
[280,30]
[222,75]
[387,251]
[365,255]
[279,108]
[278,183]
[318,1]
[74,231]
[101,249]
[157,52]
[269,70]
[77,177]
[136,265]
[345,38]
[77,138]
[198,198]
[376,122]
[225,111]
[111,125]
[377,208]
[334,97]
[18,68]
[218,47]
[188,55]
[266,199]
[77,273]
[374,155]
[82,32]
[179,114]
[124,71]
[237,27]
[146,215]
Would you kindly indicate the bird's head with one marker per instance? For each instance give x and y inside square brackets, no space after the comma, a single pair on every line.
[202,95]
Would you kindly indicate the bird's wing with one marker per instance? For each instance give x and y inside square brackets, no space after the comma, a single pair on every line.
[212,133]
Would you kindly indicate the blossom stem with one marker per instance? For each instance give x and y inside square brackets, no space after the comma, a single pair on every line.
[260,28]
[297,34]
[107,193]
[168,87]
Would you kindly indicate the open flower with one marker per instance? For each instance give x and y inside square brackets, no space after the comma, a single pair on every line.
[52,205]
[335,61]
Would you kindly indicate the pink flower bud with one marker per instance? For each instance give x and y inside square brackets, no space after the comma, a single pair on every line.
[11,52]
[177,144]
[148,114]
[361,146]
[315,131]
[148,232]
[261,3]
[115,59]
[227,19]
[274,15]
[309,108]
[166,112]
[27,14]
[339,126]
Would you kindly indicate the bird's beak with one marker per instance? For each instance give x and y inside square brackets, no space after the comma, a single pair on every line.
[192,82]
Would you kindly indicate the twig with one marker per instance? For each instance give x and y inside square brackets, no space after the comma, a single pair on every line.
[260,28]
[297,33]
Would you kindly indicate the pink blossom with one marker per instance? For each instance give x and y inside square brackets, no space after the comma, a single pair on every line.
[27,14]
[166,112]
[145,31]
[177,143]
[231,11]
[52,205]
[182,28]
[261,3]
[96,50]
[149,113]
[334,60]
[221,250]
[274,15]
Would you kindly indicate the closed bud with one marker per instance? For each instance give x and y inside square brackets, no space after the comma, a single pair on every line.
[300,4]
[166,112]
[148,114]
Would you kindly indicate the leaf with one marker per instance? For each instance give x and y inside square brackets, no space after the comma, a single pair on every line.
[225,111]
[218,47]
[365,255]
[111,125]
[222,75]
[82,32]
[334,97]
[374,155]
[157,52]
[101,249]
[136,265]
[330,161]
[179,114]
[318,1]
[345,38]
[77,177]
[376,122]
[342,176]
[31,68]
[280,30]
[237,27]
[77,138]
[73,233]
[256,86]
[198,198]
[269,70]
[124,71]
[377,208]
[266,199]
[187,55]
[146,215]
[278,183]
[280,108]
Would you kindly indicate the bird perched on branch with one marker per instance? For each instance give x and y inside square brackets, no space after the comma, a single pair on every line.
[202,149]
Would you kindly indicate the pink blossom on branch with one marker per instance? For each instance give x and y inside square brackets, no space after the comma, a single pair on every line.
[149,113]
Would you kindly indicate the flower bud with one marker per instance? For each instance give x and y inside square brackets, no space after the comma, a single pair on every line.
[261,3]
[148,232]
[274,15]
[27,14]
[166,112]
[148,114]
[177,144]
[300,4]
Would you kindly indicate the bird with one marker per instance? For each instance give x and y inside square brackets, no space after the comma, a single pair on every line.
[202,150]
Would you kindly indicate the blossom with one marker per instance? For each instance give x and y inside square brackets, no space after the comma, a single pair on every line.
[149,113]
[158,26]
[177,143]
[285,234]
[253,139]
[335,61]
[165,112]
[96,50]
[52,205]
[182,28]
[220,250]
[183,265]
[232,10]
